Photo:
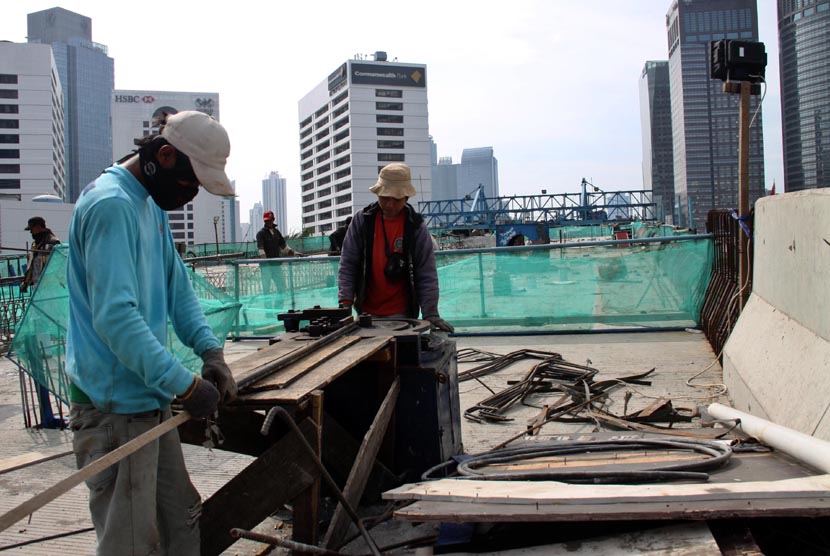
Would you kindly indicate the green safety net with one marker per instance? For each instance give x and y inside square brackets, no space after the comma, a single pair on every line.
[565,287]
[39,344]
[248,250]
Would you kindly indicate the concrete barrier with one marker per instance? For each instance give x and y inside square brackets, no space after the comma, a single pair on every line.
[776,363]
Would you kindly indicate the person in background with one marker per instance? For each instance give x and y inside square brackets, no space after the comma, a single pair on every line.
[387,262]
[271,244]
[337,236]
[125,281]
[43,240]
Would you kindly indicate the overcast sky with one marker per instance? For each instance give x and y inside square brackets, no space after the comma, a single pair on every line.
[551,85]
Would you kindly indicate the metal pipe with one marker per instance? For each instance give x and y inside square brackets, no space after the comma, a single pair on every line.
[803,447]
[370,542]
[569,332]
[285,543]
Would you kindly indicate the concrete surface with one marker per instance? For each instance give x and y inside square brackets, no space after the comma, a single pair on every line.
[676,356]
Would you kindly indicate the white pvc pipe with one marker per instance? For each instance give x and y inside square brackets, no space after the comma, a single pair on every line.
[803,447]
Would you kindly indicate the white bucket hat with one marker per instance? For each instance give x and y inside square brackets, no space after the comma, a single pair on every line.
[206,144]
[394,181]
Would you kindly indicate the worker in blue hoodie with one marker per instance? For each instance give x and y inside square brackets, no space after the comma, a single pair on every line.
[125,280]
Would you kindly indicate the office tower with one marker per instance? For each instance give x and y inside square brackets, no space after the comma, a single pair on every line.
[479,168]
[86,75]
[366,114]
[273,198]
[704,118]
[31,123]
[255,216]
[137,113]
[804,40]
[655,116]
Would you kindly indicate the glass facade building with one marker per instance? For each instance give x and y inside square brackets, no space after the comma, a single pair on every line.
[704,118]
[655,115]
[804,40]
[86,73]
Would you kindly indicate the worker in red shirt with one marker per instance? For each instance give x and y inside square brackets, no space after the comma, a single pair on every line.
[387,263]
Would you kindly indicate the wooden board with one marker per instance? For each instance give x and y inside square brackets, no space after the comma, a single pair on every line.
[31,458]
[247,365]
[321,375]
[285,376]
[362,467]
[271,480]
[540,492]
[471,512]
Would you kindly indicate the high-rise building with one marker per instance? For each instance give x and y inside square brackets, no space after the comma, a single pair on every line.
[273,198]
[804,40]
[86,74]
[137,113]
[255,216]
[479,168]
[655,117]
[366,114]
[704,118]
[31,123]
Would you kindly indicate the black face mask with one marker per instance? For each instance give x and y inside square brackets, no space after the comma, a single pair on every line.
[163,185]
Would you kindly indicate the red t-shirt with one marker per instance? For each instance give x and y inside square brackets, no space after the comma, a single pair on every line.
[383,297]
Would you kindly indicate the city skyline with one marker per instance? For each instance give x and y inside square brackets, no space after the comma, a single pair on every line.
[552,87]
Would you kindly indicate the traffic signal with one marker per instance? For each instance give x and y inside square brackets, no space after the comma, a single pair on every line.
[717,59]
[733,60]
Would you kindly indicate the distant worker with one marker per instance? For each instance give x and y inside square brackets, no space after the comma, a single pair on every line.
[125,281]
[269,240]
[271,244]
[337,236]
[43,240]
[387,263]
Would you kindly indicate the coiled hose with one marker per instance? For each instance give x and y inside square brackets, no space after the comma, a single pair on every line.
[717,454]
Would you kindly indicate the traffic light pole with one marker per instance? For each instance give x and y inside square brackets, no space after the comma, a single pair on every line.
[743,190]
[745,89]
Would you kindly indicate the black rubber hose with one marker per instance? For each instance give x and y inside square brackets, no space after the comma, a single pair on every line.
[717,453]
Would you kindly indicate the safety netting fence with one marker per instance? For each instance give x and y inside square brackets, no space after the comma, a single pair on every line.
[656,282]
[39,343]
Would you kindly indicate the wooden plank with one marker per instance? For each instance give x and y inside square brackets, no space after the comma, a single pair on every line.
[362,466]
[684,539]
[321,376]
[340,449]
[427,511]
[307,504]
[244,366]
[30,458]
[276,477]
[285,376]
[538,492]
[62,487]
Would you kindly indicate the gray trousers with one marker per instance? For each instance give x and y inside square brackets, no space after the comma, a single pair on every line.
[145,504]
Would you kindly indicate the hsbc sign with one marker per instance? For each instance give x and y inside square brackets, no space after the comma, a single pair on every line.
[135,99]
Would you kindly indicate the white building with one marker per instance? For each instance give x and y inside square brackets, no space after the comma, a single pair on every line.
[366,114]
[273,198]
[136,114]
[31,123]
[255,219]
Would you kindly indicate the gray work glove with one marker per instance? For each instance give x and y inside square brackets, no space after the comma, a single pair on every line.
[440,324]
[216,371]
[201,398]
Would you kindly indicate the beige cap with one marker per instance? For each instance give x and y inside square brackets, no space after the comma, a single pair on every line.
[206,144]
[394,181]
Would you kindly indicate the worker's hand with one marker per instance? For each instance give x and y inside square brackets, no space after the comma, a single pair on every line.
[201,398]
[440,324]
[216,371]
